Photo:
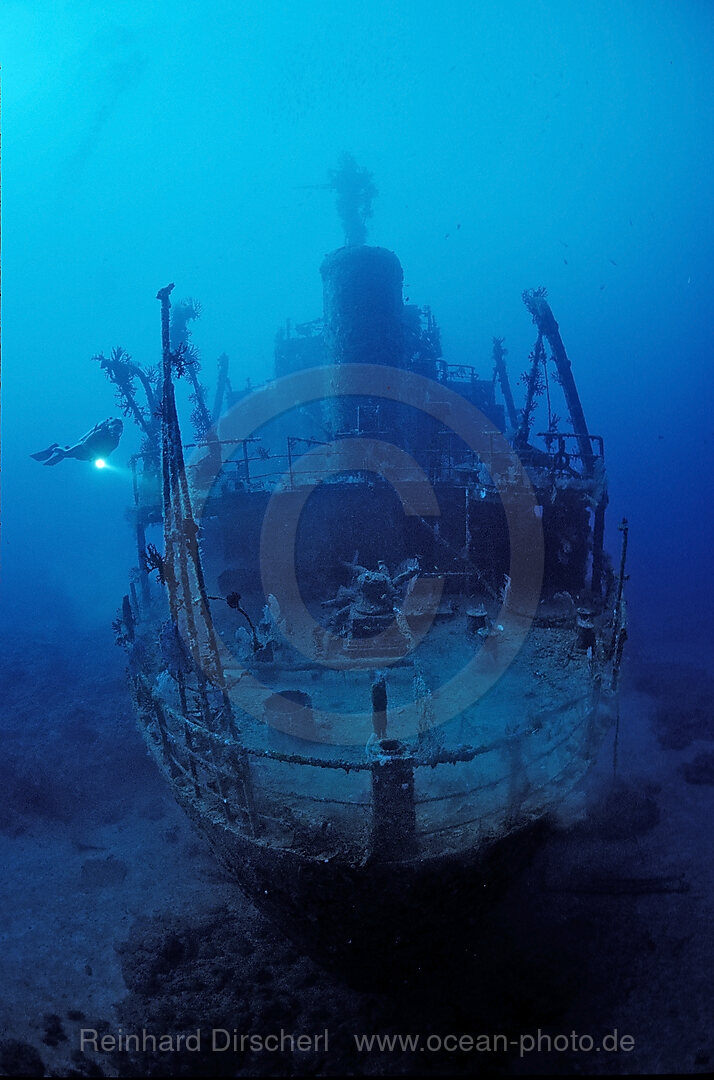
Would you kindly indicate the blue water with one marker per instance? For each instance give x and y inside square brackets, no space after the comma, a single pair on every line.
[514,144]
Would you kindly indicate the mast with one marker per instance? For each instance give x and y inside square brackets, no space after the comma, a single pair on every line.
[182,560]
[535,301]
[221,387]
[355,193]
[499,362]
[534,386]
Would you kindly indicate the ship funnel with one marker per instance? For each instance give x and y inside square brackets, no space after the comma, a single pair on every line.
[363,306]
[363,318]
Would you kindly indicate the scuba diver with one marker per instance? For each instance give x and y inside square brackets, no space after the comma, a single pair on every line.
[95,445]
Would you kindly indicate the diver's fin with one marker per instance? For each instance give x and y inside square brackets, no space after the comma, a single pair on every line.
[58,455]
[42,455]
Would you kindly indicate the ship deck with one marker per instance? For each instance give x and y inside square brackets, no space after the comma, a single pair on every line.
[512,755]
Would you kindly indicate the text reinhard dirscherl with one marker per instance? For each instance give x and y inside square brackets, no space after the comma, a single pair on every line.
[216,1040]
[220,1040]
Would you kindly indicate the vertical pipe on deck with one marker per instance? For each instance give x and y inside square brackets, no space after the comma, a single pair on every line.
[393,833]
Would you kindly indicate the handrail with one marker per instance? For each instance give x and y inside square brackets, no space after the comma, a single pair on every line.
[550,436]
[462,754]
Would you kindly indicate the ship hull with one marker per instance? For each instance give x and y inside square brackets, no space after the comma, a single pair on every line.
[379,924]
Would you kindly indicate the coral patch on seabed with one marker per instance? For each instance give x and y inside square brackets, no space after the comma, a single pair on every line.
[19,1059]
[700,770]
[627,810]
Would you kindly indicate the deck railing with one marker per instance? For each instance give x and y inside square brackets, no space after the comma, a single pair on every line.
[224,776]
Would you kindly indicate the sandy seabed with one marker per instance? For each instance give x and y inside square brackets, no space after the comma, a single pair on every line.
[117,922]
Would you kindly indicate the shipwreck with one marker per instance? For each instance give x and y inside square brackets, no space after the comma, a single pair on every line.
[373,635]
